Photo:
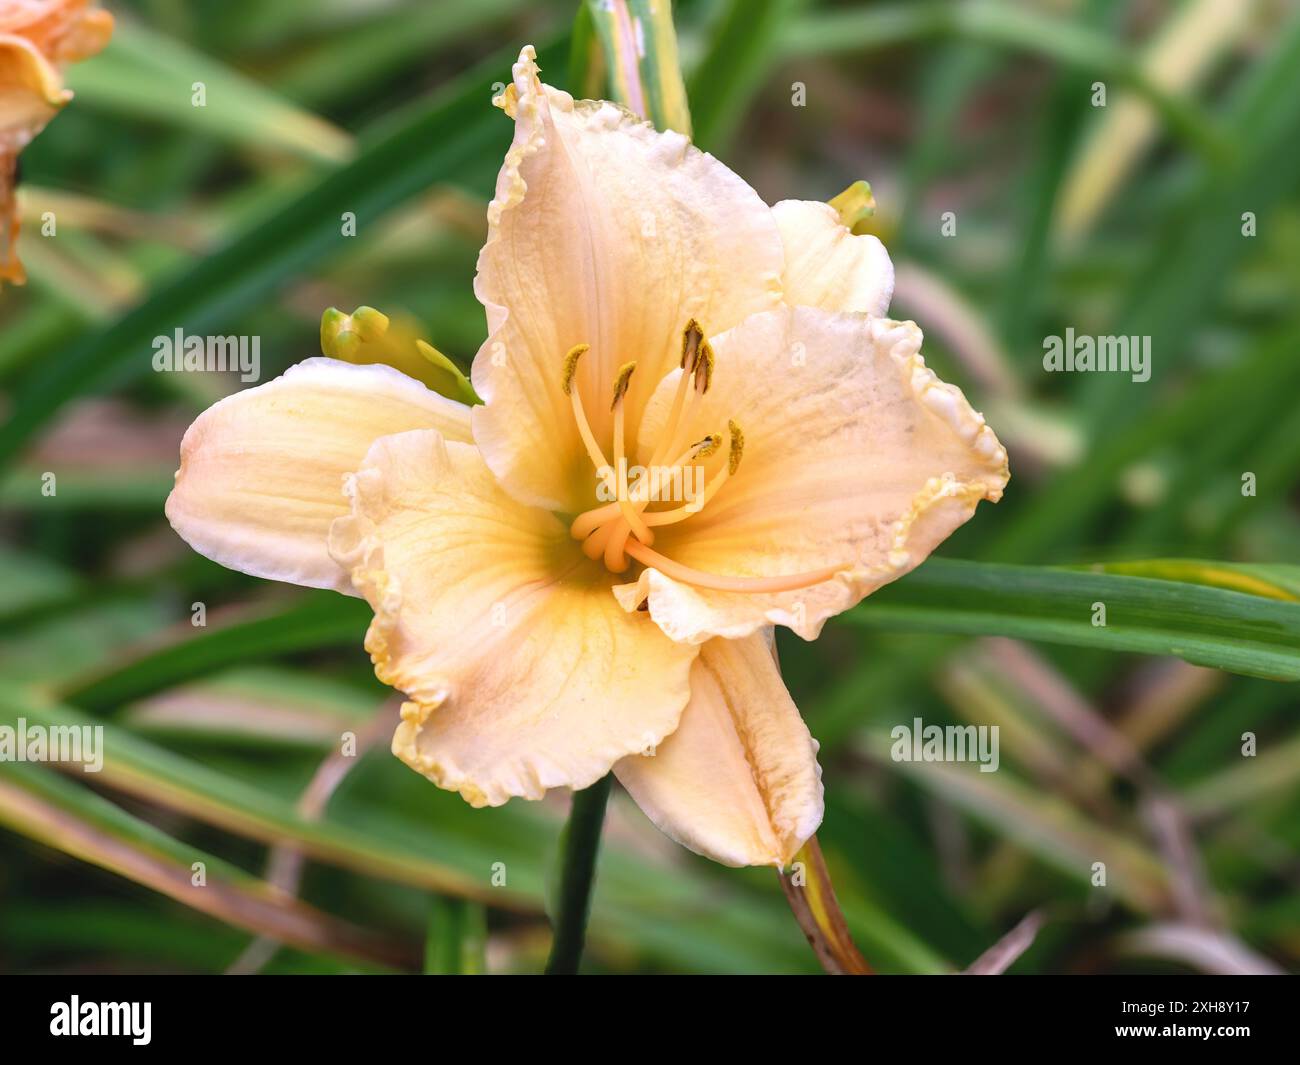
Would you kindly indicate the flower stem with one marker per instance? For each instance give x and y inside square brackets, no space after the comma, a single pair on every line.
[579,848]
[812,900]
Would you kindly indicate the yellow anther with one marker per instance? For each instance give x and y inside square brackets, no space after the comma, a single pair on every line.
[692,335]
[737,447]
[620,384]
[571,366]
[708,445]
[704,368]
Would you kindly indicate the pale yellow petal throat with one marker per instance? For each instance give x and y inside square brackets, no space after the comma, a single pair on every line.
[523,672]
[615,531]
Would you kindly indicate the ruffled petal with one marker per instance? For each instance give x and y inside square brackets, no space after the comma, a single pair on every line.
[829,266]
[857,459]
[522,671]
[608,233]
[262,470]
[738,781]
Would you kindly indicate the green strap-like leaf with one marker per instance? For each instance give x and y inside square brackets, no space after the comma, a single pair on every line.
[456,938]
[452,853]
[437,142]
[1207,626]
[323,620]
[42,805]
[745,40]
[1009,26]
[143,74]
[1271,581]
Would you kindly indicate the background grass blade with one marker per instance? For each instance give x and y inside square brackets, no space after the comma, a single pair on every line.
[1275,581]
[455,854]
[323,621]
[36,803]
[155,775]
[1046,827]
[149,75]
[1229,630]
[457,931]
[1009,26]
[435,143]
[742,45]
[640,56]
[229,742]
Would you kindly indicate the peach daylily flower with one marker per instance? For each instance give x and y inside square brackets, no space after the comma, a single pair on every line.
[37,38]
[544,637]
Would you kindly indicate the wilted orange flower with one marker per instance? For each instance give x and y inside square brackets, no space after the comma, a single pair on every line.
[37,39]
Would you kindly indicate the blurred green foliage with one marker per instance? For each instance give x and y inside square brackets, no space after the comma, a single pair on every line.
[1013,207]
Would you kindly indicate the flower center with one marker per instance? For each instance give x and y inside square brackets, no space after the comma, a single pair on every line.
[625,527]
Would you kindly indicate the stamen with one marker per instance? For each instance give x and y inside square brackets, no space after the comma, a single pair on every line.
[691,337]
[674,414]
[590,520]
[617,530]
[594,545]
[671,517]
[703,449]
[701,378]
[692,340]
[721,583]
[571,365]
[704,368]
[737,446]
[620,384]
[615,558]
[630,515]
[594,452]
